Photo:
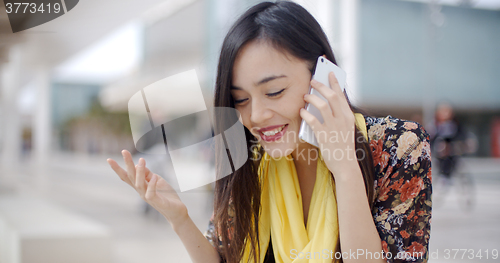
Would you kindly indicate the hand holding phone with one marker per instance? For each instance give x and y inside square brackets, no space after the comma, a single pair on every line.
[323,68]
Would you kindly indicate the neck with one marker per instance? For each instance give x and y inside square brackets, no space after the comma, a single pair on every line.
[305,156]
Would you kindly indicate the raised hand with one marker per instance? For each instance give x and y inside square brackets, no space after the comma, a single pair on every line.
[336,134]
[151,187]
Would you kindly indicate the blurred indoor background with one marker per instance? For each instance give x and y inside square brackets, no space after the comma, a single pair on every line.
[65,85]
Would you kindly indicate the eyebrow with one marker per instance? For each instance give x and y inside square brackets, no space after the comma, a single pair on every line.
[262,81]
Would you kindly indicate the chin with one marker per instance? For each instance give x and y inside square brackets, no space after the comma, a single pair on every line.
[278,150]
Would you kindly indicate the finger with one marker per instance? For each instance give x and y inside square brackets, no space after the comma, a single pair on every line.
[149,174]
[341,105]
[140,177]
[119,171]
[321,105]
[329,94]
[338,90]
[151,190]
[129,164]
[310,119]
[334,82]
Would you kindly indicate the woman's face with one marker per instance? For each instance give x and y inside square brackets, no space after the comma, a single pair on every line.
[268,90]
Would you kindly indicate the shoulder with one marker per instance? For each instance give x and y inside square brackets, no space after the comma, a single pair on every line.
[397,144]
[392,129]
[398,138]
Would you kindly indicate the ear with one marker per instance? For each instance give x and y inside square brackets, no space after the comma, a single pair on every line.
[324,56]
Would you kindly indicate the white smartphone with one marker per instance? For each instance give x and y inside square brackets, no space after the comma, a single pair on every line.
[323,68]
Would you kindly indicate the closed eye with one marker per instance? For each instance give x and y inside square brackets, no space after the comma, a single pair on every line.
[275,94]
[268,94]
[239,101]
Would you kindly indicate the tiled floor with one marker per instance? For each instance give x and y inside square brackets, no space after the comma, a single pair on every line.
[87,186]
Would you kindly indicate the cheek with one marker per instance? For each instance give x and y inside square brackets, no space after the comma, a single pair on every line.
[294,110]
[245,119]
[297,103]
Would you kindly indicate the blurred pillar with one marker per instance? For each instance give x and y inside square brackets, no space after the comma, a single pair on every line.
[323,12]
[349,46]
[42,127]
[220,16]
[10,123]
[326,18]
[42,119]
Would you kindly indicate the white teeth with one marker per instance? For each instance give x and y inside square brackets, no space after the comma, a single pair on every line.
[273,132]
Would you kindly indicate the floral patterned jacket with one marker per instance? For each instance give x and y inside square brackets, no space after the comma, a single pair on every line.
[403,188]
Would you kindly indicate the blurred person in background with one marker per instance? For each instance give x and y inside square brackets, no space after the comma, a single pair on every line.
[448,140]
[283,205]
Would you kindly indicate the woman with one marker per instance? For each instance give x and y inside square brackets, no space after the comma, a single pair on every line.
[355,198]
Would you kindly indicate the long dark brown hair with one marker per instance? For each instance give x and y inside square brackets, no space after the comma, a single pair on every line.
[290,28]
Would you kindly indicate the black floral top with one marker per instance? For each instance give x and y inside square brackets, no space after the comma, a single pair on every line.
[403,188]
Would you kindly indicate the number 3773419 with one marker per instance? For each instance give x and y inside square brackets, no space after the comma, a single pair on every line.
[470,253]
[33,8]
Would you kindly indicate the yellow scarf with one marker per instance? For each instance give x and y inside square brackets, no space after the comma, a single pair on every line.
[282,219]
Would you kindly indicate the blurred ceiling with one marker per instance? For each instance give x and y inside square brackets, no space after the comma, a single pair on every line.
[173,45]
[53,42]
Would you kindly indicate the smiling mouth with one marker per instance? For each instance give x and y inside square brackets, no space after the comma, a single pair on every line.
[273,135]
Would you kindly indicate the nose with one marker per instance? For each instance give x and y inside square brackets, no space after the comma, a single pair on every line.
[260,113]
